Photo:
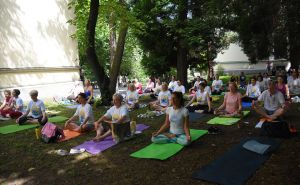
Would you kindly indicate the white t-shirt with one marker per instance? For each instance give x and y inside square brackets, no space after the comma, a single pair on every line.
[253,91]
[208,90]
[115,113]
[294,86]
[132,97]
[217,84]
[36,108]
[196,84]
[83,112]
[18,102]
[201,97]
[172,85]
[176,118]
[272,103]
[164,98]
[180,89]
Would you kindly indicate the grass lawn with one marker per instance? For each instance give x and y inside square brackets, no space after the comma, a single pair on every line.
[25,160]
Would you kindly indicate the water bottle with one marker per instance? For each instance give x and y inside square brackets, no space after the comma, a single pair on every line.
[133,127]
[38,133]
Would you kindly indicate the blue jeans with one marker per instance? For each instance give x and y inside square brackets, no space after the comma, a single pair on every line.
[180,139]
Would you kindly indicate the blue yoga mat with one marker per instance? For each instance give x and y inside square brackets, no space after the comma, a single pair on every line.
[236,165]
[246,104]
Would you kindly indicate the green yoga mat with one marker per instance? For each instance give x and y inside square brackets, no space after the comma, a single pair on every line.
[226,121]
[15,128]
[57,119]
[164,151]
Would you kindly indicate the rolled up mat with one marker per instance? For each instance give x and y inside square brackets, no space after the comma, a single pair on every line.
[97,147]
[57,119]
[15,128]
[164,151]
[236,165]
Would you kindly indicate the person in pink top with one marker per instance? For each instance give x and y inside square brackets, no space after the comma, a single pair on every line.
[138,86]
[282,87]
[232,104]
[7,104]
[150,86]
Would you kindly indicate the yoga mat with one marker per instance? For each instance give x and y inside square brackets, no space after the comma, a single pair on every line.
[226,121]
[69,135]
[97,147]
[194,116]
[57,119]
[236,165]
[246,104]
[164,151]
[72,106]
[15,128]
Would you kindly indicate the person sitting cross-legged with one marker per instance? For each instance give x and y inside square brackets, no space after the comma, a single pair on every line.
[200,101]
[232,104]
[132,97]
[115,122]
[163,99]
[217,86]
[84,113]
[176,127]
[7,104]
[252,92]
[274,103]
[37,110]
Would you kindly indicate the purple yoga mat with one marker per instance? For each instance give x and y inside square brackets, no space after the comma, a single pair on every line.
[97,147]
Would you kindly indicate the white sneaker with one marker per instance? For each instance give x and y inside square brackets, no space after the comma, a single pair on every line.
[62,152]
[77,151]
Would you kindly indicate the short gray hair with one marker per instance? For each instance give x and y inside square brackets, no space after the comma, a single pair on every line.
[33,93]
[118,95]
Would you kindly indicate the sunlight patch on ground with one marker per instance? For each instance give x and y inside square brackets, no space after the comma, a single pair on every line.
[80,157]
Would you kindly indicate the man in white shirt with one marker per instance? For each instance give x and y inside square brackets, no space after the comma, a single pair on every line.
[179,87]
[217,86]
[173,84]
[274,103]
[252,92]
[294,84]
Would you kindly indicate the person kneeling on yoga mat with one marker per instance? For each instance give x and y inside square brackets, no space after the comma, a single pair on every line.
[37,110]
[115,122]
[84,113]
[177,121]
[253,91]
[200,101]
[232,104]
[274,103]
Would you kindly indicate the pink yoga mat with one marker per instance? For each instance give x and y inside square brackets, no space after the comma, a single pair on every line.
[97,147]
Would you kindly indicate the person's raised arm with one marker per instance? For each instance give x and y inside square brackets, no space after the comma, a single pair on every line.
[192,100]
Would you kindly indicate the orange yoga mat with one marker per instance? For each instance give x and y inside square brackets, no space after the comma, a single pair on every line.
[69,135]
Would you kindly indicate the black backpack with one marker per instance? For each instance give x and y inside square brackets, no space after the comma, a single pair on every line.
[278,129]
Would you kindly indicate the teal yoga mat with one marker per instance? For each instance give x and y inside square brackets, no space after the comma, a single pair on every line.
[164,151]
[15,128]
[57,119]
[225,120]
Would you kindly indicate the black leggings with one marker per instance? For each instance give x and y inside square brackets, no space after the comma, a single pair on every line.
[199,107]
[248,99]
[22,120]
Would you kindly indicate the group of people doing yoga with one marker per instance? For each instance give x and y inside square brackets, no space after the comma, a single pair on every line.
[170,100]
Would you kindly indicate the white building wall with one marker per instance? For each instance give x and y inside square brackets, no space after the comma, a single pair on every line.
[36,50]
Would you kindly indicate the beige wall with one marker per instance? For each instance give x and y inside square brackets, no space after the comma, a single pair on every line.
[35,45]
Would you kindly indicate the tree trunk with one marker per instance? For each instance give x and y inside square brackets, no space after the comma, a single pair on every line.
[181,48]
[112,36]
[92,59]
[182,64]
[115,66]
